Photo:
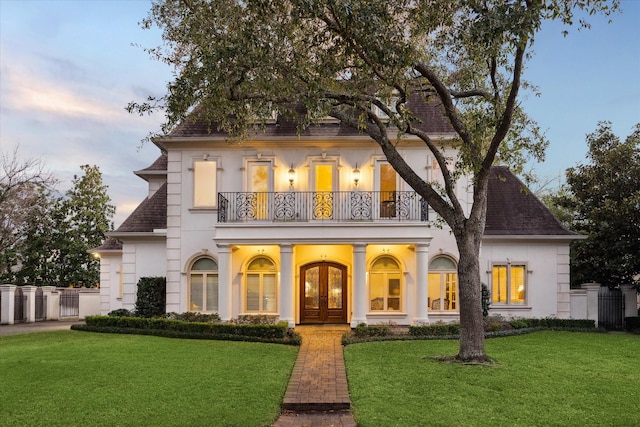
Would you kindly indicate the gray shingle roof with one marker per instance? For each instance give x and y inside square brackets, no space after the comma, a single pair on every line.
[512,209]
[150,215]
[111,244]
[430,119]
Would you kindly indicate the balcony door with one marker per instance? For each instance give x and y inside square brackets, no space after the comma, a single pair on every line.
[324,183]
[387,183]
[323,293]
[259,184]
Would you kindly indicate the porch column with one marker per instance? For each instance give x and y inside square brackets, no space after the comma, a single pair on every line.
[359,275]
[224,282]
[30,293]
[287,289]
[422,283]
[8,307]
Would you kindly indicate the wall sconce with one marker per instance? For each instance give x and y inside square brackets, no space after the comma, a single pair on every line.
[292,175]
[356,175]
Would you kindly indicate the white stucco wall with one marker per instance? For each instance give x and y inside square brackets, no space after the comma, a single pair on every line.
[547,280]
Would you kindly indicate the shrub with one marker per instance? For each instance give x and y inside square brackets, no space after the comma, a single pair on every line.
[364,330]
[632,324]
[278,330]
[190,316]
[151,300]
[120,312]
[256,319]
[437,329]
[518,324]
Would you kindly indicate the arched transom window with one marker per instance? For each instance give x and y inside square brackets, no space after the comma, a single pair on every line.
[385,290]
[203,286]
[443,284]
[261,293]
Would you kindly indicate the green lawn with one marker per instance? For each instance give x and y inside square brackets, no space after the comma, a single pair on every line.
[540,379]
[71,378]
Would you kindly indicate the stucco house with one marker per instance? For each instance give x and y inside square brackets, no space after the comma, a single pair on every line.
[317,227]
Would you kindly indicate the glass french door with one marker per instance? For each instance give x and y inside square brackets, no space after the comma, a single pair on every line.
[323,293]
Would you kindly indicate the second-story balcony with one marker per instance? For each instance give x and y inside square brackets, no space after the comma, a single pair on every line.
[307,206]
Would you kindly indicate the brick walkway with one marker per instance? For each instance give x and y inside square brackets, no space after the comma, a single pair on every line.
[317,394]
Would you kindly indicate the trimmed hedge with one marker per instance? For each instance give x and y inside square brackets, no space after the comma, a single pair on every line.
[278,331]
[553,322]
[437,329]
[364,330]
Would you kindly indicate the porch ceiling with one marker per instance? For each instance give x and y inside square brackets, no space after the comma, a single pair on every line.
[370,233]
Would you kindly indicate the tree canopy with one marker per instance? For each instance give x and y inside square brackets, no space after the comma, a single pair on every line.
[236,62]
[604,199]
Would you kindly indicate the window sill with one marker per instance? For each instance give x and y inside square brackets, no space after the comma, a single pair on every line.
[509,307]
[387,314]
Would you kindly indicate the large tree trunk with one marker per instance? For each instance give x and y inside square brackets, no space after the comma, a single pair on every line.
[470,288]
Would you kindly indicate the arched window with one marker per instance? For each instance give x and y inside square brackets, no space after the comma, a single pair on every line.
[261,293]
[203,286]
[385,291]
[443,284]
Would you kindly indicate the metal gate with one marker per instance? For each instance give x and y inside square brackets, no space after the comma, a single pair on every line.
[41,305]
[69,300]
[610,308]
[20,303]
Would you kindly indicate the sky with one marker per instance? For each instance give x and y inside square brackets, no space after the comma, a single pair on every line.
[69,68]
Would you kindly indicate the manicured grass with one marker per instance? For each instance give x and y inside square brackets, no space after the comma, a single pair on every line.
[540,379]
[71,378]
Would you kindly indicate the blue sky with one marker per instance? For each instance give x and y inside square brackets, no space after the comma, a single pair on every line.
[68,69]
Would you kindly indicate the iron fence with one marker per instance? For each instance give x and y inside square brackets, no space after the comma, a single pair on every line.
[41,305]
[20,303]
[69,303]
[300,206]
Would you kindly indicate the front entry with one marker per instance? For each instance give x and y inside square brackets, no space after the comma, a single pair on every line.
[323,293]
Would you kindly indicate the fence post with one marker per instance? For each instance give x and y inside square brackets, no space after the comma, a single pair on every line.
[30,293]
[53,302]
[8,308]
[630,300]
[592,300]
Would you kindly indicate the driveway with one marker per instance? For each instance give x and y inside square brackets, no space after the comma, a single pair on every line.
[27,328]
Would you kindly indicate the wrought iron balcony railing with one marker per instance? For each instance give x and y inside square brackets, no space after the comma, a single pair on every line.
[296,206]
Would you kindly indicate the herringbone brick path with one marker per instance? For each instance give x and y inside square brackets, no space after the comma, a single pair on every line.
[317,394]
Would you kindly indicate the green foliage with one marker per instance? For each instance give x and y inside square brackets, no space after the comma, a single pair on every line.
[632,324]
[604,196]
[437,329]
[364,330]
[151,299]
[120,312]
[186,329]
[190,316]
[59,232]
[256,319]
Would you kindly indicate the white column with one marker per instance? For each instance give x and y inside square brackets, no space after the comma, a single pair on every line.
[359,276]
[224,282]
[287,289]
[30,293]
[422,283]
[8,301]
